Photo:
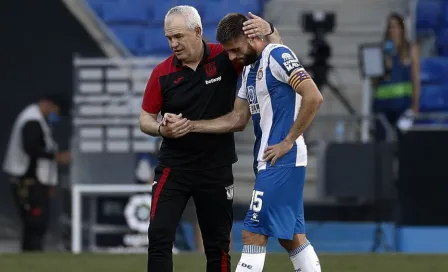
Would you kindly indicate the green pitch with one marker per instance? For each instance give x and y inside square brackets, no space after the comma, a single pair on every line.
[195,263]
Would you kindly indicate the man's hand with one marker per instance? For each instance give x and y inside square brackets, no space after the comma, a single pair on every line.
[63,157]
[174,126]
[171,117]
[256,26]
[275,152]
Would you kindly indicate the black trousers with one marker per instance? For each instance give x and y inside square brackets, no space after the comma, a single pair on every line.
[212,192]
[33,201]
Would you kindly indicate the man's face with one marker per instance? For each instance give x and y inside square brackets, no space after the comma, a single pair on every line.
[51,111]
[241,51]
[182,40]
[55,109]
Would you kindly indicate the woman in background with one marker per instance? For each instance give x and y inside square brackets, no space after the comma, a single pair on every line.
[399,89]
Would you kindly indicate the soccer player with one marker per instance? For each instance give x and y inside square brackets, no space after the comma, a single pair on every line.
[198,82]
[283,100]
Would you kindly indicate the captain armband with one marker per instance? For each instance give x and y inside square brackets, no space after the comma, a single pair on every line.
[298,77]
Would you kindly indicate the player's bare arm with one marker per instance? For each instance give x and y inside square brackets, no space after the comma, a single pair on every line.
[257,26]
[311,100]
[178,128]
[231,122]
[301,82]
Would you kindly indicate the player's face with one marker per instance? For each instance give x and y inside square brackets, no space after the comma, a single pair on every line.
[182,40]
[241,51]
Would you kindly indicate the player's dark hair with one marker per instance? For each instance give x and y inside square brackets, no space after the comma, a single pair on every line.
[230,27]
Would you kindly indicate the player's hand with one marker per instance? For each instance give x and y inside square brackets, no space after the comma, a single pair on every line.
[175,126]
[275,152]
[256,26]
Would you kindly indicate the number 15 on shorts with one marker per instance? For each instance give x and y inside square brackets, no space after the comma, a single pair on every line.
[256,203]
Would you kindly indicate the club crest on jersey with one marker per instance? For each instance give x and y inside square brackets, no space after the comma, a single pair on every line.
[210,69]
[253,100]
[260,73]
[287,56]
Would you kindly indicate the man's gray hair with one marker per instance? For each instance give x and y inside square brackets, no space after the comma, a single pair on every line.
[190,14]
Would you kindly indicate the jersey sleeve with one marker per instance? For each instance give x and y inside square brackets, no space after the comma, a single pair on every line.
[241,86]
[152,99]
[286,67]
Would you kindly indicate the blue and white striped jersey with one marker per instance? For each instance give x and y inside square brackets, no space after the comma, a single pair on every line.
[273,103]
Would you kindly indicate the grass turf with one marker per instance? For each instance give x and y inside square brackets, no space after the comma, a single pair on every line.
[196,263]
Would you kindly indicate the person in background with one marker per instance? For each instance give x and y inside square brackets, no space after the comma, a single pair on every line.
[399,89]
[31,162]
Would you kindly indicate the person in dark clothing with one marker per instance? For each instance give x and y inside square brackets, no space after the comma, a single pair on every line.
[197,82]
[31,162]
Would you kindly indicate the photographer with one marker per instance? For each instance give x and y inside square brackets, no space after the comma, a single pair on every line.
[31,162]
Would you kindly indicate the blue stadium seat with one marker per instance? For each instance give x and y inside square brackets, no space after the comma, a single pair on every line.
[434,70]
[445,14]
[126,11]
[442,42]
[213,11]
[97,6]
[130,35]
[434,98]
[254,6]
[155,41]
[429,15]
[194,3]
[159,10]
[209,34]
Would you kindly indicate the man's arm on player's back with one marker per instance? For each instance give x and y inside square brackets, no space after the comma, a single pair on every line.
[231,122]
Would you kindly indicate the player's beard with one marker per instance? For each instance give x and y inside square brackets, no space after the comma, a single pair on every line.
[251,56]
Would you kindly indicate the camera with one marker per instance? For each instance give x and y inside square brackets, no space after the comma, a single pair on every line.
[319,24]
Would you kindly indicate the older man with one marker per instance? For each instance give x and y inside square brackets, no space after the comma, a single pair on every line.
[197,82]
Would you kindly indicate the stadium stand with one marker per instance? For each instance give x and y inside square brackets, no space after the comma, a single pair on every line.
[429,14]
[431,21]
[138,24]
